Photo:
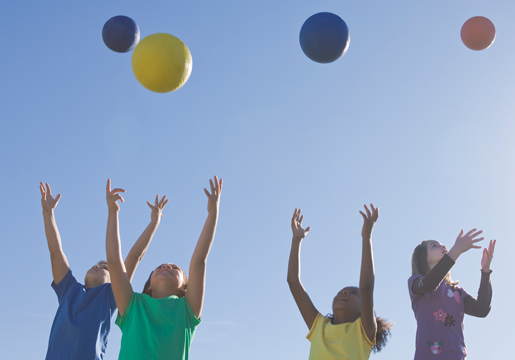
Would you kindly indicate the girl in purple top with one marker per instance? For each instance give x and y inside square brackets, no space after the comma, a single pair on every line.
[439,305]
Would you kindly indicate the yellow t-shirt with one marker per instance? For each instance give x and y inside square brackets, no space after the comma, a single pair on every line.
[347,341]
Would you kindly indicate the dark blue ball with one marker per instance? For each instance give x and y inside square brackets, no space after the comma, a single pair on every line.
[120,34]
[324,37]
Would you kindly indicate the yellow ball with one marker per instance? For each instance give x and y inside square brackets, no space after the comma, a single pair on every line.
[161,63]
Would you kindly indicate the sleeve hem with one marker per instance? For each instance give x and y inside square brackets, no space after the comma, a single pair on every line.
[121,318]
[363,332]
[190,310]
[313,327]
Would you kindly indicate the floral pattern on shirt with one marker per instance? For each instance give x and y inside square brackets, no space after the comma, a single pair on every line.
[449,321]
[455,293]
[440,315]
[436,346]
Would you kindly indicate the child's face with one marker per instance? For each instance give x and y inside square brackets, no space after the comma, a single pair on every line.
[97,275]
[347,300]
[168,275]
[435,252]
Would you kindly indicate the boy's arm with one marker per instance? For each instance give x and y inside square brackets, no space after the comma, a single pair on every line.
[366,280]
[122,288]
[60,266]
[139,249]
[304,303]
[197,274]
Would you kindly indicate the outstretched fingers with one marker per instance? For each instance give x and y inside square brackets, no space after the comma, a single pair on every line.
[370,215]
[42,190]
[216,187]
[491,248]
[375,211]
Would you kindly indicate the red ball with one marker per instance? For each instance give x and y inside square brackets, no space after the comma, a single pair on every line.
[478,33]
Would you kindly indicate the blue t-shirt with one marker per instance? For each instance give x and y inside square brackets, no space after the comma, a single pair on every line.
[82,322]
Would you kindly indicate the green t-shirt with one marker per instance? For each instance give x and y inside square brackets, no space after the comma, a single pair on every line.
[156,329]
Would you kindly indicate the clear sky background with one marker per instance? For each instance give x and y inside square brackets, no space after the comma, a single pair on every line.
[409,119]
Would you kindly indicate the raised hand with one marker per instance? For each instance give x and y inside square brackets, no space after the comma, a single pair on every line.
[112,197]
[465,242]
[296,225]
[369,220]
[213,201]
[47,201]
[488,255]
[157,209]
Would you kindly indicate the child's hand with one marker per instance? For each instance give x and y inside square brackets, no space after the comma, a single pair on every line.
[464,243]
[488,255]
[47,201]
[213,201]
[296,225]
[112,196]
[157,209]
[369,220]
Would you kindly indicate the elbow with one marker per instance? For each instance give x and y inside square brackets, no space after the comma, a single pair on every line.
[292,281]
[484,313]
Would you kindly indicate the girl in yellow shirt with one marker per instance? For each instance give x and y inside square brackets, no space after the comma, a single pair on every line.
[353,330]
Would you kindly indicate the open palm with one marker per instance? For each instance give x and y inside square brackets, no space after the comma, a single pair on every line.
[47,201]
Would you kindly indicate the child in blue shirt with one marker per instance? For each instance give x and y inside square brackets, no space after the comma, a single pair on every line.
[83,319]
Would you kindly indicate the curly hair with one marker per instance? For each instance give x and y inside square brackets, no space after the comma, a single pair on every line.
[384,329]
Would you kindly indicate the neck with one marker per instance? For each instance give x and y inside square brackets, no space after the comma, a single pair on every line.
[163,293]
[92,284]
[341,318]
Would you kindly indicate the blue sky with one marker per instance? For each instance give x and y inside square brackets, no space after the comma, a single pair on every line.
[409,119]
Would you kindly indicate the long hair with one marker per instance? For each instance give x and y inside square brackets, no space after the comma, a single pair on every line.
[148,291]
[384,330]
[419,265]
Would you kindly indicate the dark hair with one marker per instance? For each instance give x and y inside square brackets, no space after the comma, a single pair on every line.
[148,291]
[384,328]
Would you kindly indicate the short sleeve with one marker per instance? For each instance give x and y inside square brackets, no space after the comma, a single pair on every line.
[364,334]
[64,285]
[121,319]
[190,313]
[313,327]
[112,300]
[411,280]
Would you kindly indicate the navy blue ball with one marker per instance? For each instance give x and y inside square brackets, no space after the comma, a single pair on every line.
[120,34]
[324,37]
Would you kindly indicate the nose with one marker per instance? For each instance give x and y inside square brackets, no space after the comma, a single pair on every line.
[96,267]
[166,266]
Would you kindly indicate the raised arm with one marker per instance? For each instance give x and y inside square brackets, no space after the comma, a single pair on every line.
[304,303]
[432,280]
[366,279]
[481,306]
[197,275]
[139,249]
[58,259]
[120,283]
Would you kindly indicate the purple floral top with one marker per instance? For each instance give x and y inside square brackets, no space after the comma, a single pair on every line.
[439,317]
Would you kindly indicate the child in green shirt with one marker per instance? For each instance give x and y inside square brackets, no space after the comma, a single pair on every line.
[160,323]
